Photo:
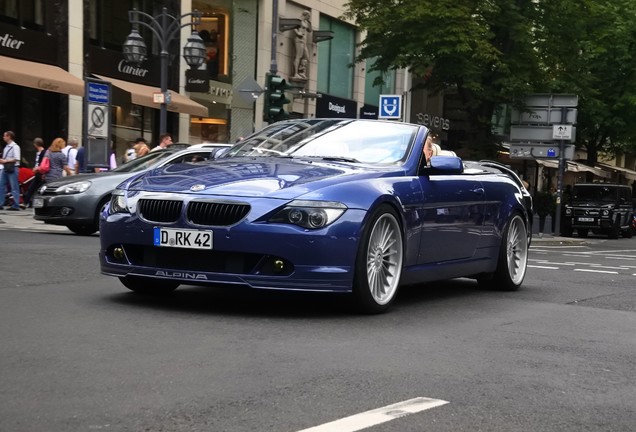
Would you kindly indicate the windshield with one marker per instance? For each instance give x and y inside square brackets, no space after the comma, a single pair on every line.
[143,162]
[355,141]
[594,193]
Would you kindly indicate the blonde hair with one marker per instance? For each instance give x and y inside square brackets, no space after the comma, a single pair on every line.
[57,145]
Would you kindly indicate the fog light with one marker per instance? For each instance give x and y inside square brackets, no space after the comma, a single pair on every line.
[278,265]
[118,253]
[65,211]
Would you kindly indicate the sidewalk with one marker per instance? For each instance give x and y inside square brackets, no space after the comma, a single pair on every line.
[552,240]
[23,220]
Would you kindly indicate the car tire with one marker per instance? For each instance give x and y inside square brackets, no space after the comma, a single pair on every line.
[627,233]
[148,286]
[83,230]
[379,262]
[512,262]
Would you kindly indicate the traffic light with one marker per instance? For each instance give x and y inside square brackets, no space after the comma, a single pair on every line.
[275,99]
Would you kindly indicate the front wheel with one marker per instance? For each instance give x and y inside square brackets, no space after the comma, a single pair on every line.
[379,262]
[513,258]
[148,286]
[615,230]
[83,230]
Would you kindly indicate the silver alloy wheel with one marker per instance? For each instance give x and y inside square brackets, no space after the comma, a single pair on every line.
[517,250]
[384,259]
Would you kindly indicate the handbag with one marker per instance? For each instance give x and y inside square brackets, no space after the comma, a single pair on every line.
[45,166]
[9,167]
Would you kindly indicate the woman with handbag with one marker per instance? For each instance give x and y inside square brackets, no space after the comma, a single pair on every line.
[11,161]
[54,160]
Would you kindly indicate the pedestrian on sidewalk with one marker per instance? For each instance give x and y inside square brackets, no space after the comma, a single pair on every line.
[57,160]
[11,157]
[38,178]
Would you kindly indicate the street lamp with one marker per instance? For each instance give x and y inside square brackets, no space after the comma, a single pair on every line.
[165,28]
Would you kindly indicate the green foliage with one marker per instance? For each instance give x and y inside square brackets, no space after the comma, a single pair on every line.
[491,52]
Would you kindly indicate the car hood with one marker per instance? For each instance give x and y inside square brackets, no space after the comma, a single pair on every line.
[253,177]
[102,176]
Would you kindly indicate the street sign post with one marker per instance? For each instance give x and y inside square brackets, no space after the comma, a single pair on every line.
[97,124]
[541,131]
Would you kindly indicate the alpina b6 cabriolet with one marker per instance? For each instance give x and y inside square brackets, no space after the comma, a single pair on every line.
[332,205]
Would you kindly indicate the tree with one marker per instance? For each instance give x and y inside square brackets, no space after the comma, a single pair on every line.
[482,50]
[497,51]
[592,53]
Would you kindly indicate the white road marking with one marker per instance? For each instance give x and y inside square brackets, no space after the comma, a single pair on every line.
[596,271]
[543,267]
[608,267]
[377,416]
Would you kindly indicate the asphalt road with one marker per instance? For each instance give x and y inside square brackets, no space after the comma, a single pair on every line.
[81,353]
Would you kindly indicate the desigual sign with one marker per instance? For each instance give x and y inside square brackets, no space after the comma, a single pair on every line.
[432,121]
[331,106]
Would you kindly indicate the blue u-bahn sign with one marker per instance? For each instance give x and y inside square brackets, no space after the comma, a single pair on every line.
[390,107]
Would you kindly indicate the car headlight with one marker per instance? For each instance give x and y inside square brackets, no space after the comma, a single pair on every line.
[73,188]
[605,212]
[118,202]
[310,214]
[568,211]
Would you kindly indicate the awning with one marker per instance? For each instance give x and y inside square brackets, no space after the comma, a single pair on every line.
[142,95]
[574,167]
[630,174]
[39,76]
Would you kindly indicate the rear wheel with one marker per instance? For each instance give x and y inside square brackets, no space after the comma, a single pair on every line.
[379,262]
[148,286]
[513,258]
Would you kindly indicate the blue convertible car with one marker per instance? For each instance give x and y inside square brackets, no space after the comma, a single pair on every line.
[335,205]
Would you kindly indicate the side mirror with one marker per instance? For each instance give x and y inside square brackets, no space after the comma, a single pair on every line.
[443,165]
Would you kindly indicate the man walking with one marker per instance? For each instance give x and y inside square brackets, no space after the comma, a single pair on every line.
[165,140]
[11,160]
[38,179]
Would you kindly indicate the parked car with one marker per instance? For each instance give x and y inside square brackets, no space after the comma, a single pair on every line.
[332,205]
[602,208]
[76,201]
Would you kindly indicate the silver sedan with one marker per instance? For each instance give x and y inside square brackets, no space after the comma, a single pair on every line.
[77,201]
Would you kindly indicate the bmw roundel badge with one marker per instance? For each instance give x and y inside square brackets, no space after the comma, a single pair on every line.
[197,188]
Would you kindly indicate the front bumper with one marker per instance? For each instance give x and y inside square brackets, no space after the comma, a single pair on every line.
[66,209]
[257,255]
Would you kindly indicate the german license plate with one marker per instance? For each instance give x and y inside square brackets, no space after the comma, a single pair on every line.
[182,238]
[586,219]
[38,203]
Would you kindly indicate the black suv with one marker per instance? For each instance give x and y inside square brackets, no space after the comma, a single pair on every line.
[601,208]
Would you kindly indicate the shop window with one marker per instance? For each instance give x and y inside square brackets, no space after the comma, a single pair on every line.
[24,13]
[335,59]
[372,92]
[214,30]
[210,130]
